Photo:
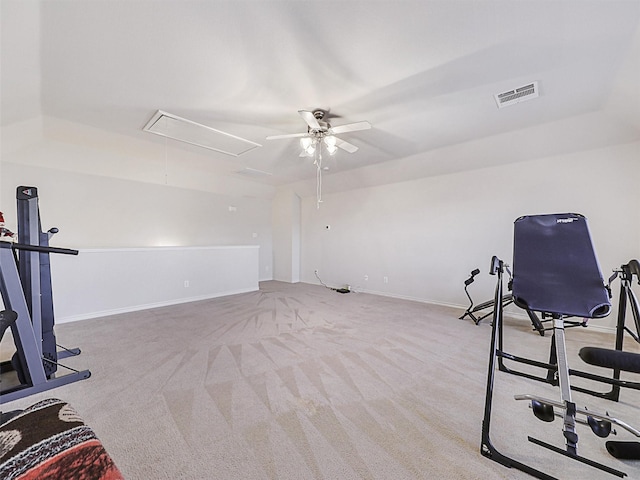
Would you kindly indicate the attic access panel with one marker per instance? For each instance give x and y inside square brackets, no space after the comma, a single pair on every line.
[184,130]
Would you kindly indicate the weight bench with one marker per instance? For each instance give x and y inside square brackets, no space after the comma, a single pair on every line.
[556,273]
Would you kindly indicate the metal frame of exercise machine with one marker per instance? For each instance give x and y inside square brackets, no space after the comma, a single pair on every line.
[626,298]
[596,306]
[472,310]
[506,300]
[25,285]
[617,359]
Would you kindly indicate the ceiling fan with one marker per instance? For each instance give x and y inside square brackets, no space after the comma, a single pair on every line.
[320,131]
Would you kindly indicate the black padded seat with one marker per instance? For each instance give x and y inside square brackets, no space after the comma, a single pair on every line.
[555,269]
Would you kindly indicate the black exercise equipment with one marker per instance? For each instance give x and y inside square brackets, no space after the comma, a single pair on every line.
[472,310]
[556,273]
[615,359]
[35,272]
[7,318]
[626,295]
[25,285]
[624,450]
[619,360]
[506,300]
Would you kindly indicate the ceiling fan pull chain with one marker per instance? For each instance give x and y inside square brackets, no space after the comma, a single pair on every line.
[318,178]
[166,155]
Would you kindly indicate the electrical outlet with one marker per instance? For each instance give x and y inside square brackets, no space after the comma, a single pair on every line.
[366,278]
[186,284]
[386,279]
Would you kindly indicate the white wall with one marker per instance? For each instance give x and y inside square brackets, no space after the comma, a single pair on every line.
[20,75]
[96,212]
[100,282]
[286,236]
[426,235]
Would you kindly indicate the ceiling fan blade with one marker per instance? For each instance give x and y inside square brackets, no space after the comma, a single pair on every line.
[351,127]
[346,146]
[308,117]
[287,135]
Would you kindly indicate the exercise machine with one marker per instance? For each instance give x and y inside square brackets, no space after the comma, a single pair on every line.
[627,298]
[617,359]
[507,299]
[556,273]
[25,285]
[474,309]
[7,318]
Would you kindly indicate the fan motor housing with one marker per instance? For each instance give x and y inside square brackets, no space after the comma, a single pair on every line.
[319,114]
[324,126]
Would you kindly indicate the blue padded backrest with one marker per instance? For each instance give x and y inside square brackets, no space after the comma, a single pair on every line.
[555,269]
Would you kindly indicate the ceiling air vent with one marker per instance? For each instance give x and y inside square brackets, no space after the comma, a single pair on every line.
[178,128]
[517,95]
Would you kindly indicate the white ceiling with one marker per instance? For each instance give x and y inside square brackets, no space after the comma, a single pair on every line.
[423,73]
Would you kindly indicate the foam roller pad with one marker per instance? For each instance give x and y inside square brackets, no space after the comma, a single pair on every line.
[624,450]
[604,357]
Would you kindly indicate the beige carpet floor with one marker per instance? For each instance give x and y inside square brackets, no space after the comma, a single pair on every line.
[300,382]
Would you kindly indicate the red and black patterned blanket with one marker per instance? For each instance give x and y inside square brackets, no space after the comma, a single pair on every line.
[49,441]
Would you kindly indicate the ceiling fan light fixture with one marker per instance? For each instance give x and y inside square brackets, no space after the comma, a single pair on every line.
[320,132]
[330,141]
[306,142]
